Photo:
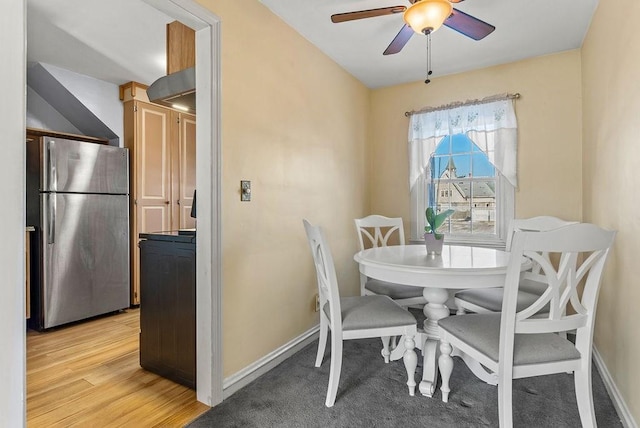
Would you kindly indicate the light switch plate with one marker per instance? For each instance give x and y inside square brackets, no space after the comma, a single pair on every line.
[245,190]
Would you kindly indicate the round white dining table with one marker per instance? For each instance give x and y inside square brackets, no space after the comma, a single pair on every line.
[458,267]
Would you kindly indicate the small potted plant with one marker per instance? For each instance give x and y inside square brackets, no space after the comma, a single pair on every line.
[432,239]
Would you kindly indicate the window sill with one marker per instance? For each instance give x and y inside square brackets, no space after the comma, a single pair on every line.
[488,243]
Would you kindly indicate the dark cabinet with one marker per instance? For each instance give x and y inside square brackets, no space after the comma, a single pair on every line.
[168,306]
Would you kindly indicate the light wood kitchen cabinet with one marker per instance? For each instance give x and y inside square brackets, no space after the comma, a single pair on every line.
[161,144]
[184,182]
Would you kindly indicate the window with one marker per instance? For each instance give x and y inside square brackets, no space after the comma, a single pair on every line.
[462,178]
[463,156]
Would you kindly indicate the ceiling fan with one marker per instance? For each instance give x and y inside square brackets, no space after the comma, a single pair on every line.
[423,16]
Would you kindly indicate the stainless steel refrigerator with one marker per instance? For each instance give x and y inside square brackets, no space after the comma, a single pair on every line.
[77,199]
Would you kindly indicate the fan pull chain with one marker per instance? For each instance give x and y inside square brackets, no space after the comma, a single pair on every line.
[429,72]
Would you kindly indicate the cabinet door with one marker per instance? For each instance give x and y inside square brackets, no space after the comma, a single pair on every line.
[184,169]
[152,177]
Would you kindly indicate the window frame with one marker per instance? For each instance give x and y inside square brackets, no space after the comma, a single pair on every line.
[505,211]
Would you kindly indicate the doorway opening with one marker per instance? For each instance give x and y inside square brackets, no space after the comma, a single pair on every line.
[208,182]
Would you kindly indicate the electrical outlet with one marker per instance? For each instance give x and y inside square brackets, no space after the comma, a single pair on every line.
[317,302]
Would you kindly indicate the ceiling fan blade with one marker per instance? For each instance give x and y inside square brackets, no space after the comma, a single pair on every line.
[468,25]
[370,13]
[399,41]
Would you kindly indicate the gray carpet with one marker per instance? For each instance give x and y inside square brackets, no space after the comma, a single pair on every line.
[374,394]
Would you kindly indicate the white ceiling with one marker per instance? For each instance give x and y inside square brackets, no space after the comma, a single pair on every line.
[123,40]
[116,41]
[524,28]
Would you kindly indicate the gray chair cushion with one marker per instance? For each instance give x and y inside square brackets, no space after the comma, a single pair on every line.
[395,291]
[482,331]
[365,312]
[533,287]
[491,299]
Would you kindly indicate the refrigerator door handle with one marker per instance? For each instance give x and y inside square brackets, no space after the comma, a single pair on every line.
[51,227]
[51,166]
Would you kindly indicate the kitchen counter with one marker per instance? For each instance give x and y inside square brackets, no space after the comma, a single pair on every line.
[183,235]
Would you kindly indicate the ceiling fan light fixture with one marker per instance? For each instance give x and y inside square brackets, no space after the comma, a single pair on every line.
[426,16]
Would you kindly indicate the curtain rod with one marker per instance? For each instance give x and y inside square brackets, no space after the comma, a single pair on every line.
[465,103]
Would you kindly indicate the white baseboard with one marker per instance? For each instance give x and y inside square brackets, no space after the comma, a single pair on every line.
[618,401]
[250,373]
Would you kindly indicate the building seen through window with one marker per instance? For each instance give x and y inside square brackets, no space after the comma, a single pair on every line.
[463,178]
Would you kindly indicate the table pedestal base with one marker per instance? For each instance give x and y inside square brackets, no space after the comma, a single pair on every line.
[430,368]
[434,311]
[428,340]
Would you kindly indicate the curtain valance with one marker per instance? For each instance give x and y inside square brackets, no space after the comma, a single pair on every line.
[492,126]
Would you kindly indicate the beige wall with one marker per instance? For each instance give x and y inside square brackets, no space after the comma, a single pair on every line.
[317,144]
[295,124]
[611,129]
[549,132]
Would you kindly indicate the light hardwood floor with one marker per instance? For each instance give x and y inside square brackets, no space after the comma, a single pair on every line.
[88,375]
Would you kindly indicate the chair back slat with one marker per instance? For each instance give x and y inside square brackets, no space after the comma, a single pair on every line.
[379,238]
[535,224]
[582,249]
[536,306]
[541,223]
[535,326]
[556,282]
[325,273]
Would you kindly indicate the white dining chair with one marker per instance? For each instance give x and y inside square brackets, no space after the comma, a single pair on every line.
[355,318]
[378,231]
[523,344]
[486,300]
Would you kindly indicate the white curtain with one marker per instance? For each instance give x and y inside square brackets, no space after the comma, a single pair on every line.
[491,126]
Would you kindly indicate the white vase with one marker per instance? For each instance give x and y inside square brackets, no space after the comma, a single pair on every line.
[434,246]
